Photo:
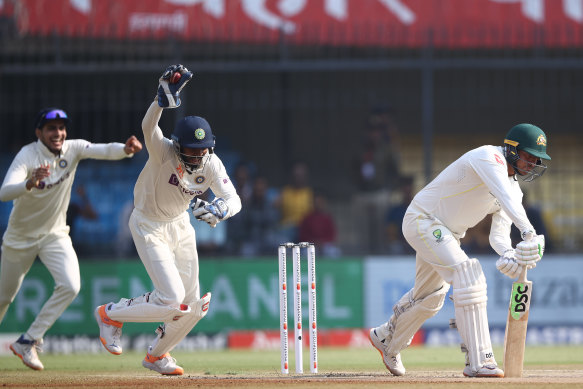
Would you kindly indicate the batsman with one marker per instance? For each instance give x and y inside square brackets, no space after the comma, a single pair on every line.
[482,181]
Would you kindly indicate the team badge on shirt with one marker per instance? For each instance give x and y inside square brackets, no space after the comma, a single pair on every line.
[199,179]
[63,163]
[437,235]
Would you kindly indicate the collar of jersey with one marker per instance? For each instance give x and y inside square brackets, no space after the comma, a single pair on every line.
[46,152]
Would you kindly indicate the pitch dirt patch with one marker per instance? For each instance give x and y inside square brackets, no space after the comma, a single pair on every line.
[567,378]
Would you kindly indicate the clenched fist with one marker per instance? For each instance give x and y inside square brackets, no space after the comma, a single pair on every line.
[133,145]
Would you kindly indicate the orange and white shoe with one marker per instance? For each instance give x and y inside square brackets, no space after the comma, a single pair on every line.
[27,351]
[392,362]
[164,364]
[109,331]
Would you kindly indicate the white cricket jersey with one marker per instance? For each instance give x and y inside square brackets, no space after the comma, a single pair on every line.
[42,211]
[472,187]
[164,189]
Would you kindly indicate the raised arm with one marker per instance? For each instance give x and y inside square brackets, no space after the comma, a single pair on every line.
[171,82]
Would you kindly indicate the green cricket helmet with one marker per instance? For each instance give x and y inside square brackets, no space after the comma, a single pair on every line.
[531,139]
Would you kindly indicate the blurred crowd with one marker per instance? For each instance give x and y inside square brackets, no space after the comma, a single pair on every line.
[295,212]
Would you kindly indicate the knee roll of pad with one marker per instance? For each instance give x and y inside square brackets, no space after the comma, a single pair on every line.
[469,284]
[173,332]
[409,315]
[143,310]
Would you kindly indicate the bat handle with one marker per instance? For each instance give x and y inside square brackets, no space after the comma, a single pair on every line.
[522,276]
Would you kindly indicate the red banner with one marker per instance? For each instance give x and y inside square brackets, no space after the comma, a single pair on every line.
[264,340]
[387,23]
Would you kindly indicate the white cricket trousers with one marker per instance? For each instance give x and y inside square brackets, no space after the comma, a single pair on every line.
[58,255]
[168,251]
[438,251]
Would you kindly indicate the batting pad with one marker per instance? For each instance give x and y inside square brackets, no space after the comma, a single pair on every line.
[173,332]
[409,315]
[470,298]
[144,310]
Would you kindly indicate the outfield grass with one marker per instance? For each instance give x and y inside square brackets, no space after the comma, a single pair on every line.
[330,360]
[242,364]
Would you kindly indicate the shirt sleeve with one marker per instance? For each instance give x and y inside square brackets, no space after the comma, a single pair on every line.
[223,187]
[14,184]
[491,168]
[153,136]
[500,232]
[111,151]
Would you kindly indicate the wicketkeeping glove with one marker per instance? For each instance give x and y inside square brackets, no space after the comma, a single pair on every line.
[212,213]
[507,264]
[528,253]
[171,83]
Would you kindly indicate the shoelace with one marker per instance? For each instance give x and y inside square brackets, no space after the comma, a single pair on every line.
[169,360]
[116,333]
[33,346]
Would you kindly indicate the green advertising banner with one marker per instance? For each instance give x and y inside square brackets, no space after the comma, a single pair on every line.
[244,295]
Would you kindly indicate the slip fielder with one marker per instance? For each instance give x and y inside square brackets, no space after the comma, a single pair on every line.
[177,171]
[39,181]
[480,182]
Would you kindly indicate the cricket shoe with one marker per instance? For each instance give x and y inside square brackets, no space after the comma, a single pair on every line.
[163,364]
[109,331]
[27,351]
[486,371]
[392,362]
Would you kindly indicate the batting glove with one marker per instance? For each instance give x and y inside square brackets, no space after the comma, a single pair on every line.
[528,253]
[212,213]
[507,264]
[171,82]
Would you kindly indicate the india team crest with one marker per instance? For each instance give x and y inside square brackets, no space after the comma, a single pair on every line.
[63,163]
[199,134]
[541,140]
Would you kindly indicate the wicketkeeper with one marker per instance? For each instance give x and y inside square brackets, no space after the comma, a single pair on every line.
[483,181]
[178,170]
[39,182]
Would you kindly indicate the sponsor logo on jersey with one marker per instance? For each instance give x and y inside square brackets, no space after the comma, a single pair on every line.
[498,159]
[176,182]
[63,163]
[44,185]
[180,171]
[173,180]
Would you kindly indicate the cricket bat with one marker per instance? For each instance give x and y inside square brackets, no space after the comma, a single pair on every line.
[515,335]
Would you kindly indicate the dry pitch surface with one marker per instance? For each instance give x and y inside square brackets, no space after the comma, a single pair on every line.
[562,378]
[341,368]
